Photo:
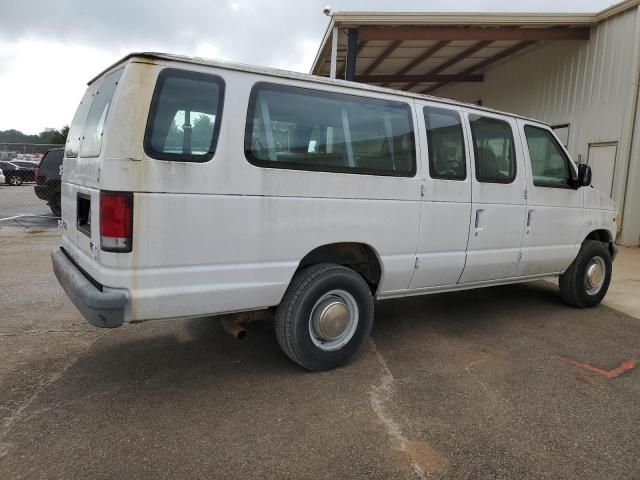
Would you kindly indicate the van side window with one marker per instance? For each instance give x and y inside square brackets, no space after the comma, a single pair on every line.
[304,129]
[185,116]
[97,116]
[549,163]
[494,149]
[446,144]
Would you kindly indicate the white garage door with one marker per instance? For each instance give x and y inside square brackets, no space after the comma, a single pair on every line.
[602,159]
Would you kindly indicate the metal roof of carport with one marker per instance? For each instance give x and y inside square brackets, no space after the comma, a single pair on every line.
[421,52]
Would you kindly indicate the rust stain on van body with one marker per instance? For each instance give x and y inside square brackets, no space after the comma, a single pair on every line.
[134,165]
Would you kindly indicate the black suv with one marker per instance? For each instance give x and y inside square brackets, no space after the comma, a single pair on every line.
[48,179]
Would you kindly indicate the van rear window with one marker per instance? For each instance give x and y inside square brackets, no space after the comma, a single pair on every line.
[185,115]
[97,116]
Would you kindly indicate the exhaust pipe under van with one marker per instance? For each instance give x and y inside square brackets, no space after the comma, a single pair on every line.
[231,326]
[231,323]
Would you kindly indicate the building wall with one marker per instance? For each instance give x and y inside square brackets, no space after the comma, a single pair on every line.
[589,85]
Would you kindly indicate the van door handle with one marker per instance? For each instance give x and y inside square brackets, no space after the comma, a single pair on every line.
[477,227]
[529,220]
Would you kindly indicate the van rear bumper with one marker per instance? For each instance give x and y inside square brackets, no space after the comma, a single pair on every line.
[105,309]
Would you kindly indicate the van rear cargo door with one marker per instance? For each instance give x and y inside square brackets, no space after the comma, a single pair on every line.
[81,165]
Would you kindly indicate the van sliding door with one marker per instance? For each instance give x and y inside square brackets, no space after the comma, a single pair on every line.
[498,195]
[446,204]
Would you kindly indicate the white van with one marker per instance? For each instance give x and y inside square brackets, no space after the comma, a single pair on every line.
[193,188]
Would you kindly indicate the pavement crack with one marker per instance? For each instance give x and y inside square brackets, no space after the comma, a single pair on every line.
[379,395]
[19,413]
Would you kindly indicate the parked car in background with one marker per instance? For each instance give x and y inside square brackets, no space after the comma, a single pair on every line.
[30,166]
[47,179]
[17,174]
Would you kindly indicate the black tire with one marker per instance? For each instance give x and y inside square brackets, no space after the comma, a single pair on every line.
[14,180]
[55,208]
[574,288]
[293,315]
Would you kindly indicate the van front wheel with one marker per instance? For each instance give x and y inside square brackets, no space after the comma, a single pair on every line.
[325,316]
[586,281]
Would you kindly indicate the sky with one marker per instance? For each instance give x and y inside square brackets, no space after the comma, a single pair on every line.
[49,50]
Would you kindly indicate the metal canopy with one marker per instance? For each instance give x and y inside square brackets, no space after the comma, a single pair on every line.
[423,52]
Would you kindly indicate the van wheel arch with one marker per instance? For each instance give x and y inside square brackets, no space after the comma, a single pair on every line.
[604,236]
[360,257]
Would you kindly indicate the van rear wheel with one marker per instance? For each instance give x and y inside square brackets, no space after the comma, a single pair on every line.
[586,281]
[325,316]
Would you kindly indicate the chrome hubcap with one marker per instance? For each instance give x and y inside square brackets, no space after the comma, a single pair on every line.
[333,320]
[594,275]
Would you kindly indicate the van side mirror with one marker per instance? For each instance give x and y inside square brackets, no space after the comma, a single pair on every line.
[584,175]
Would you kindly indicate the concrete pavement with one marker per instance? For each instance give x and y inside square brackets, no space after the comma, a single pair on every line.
[624,292]
[21,208]
[505,382]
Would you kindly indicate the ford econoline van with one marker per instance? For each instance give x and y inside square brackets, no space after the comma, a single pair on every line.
[197,188]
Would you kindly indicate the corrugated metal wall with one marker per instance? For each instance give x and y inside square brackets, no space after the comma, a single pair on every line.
[586,84]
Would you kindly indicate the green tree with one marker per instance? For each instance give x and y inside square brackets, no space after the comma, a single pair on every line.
[201,133]
[51,135]
[16,136]
[64,132]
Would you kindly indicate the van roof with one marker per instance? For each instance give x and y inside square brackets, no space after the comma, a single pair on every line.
[296,76]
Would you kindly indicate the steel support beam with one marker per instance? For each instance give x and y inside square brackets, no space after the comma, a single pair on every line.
[381,58]
[334,52]
[452,61]
[485,63]
[419,78]
[421,58]
[352,54]
[361,46]
[473,33]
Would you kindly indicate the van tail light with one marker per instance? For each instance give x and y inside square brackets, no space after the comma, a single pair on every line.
[36,172]
[116,221]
